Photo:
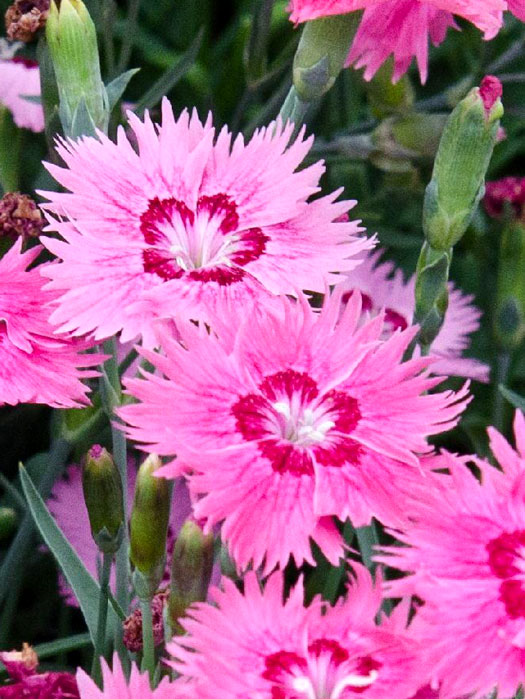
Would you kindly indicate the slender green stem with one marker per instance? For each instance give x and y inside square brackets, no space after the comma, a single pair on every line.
[502,375]
[108,20]
[129,34]
[294,109]
[13,493]
[148,651]
[100,640]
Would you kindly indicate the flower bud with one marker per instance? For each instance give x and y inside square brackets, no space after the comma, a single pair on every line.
[104,499]
[431,293]
[461,163]
[19,216]
[509,319]
[387,98]
[24,19]
[8,520]
[72,40]
[149,527]
[191,569]
[321,54]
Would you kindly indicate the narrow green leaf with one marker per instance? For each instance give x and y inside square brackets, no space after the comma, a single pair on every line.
[171,77]
[87,591]
[116,87]
[514,398]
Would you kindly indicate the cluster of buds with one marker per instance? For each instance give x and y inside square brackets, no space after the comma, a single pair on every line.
[452,196]
[25,18]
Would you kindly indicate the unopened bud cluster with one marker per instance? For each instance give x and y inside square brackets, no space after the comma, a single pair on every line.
[19,216]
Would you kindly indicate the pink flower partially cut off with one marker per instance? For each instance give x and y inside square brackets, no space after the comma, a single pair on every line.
[20,79]
[464,549]
[289,418]
[37,365]
[257,644]
[193,224]
[67,506]
[383,286]
[116,686]
[402,28]
[27,683]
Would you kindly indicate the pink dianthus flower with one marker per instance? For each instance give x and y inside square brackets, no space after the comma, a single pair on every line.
[287,419]
[19,79]
[36,364]
[383,286]
[506,191]
[257,645]
[465,550]
[402,27]
[117,687]
[189,225]
[27,683]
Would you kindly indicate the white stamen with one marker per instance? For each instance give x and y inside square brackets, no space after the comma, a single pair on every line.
[353,681]
[283,409]
[304,686]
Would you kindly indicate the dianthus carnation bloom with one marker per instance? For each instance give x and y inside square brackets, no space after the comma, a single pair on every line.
[382,286]
[288,418]
[36,365]
[192,222]
[19,79]
[402,27]
[257,645]
[67,505]
[465,550]
[117,687]
[506,191]
[27,683]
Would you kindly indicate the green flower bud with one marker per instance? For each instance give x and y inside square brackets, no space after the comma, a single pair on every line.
[8,520]
[461,163]
[191,570]
[104,499]
[72,40]
[509,319]
[149,527]
[387,98]
[321,54]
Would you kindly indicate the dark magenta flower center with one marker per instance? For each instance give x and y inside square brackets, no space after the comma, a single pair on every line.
[328,671]
[204,245]
[293,422]
[393,319]
[507,562]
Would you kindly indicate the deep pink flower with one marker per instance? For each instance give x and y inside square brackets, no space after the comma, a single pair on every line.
[20,79]
[382,286]
[190,225]
[68,507]
[36,364]
[508,190]
[517,7]
[465,550]
[402,27]
[117,687]
[287,419]
[28,684]
[257,645]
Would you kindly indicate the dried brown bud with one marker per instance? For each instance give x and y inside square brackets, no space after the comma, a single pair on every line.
[133,625]
[19,216]
[24,18]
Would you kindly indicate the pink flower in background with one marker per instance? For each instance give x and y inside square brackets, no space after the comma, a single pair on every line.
[465,550]
[257,645]
[508,190]
[19,79]
[36,364]
[517,7]
[27,683]
[117,687]
[67,506]
[288,419]
[402,27]
[191,224]
[382,286]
